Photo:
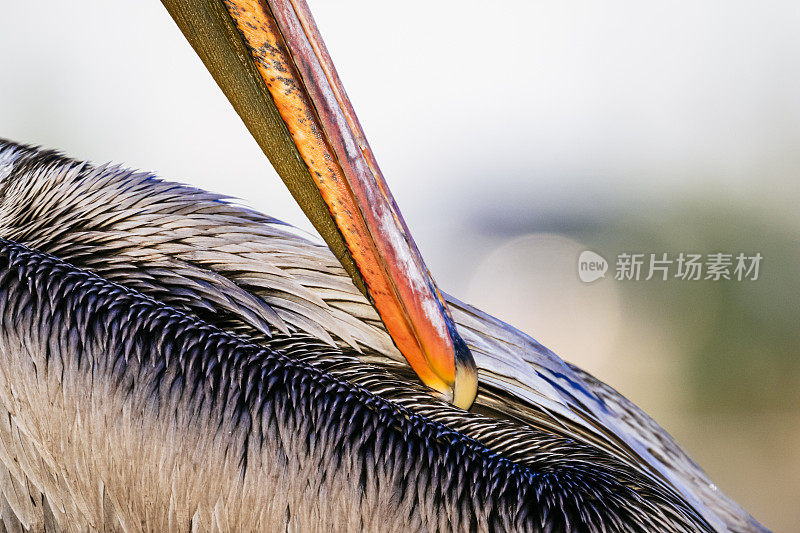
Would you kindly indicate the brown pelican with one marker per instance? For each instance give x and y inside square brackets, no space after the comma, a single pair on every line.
[172,361]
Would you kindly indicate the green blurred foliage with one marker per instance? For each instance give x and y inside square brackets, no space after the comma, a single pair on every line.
[741,339]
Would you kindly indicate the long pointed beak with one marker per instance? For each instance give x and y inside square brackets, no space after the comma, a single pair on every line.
[272,64]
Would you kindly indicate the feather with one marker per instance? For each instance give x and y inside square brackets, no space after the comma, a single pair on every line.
[265,281]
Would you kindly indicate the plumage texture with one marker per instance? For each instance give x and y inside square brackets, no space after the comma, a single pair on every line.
[251,439]
[261,280]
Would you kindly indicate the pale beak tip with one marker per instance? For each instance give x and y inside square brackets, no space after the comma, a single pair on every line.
[465,386]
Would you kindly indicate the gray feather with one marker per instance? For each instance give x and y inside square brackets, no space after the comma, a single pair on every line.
[263,280]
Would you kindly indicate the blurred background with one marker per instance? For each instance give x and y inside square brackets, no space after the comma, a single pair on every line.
[514,137]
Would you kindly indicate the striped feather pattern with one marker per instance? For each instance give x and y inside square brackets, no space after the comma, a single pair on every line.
[262,280]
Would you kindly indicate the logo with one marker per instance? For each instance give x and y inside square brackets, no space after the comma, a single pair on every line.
[591,266]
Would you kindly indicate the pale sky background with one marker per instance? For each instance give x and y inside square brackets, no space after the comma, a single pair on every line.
[497,125]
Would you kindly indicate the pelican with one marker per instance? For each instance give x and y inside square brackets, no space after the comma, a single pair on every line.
[173,361]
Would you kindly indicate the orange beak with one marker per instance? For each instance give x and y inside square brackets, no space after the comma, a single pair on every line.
[271,62]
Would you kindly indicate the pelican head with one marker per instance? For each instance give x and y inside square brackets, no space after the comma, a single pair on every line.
[172,361]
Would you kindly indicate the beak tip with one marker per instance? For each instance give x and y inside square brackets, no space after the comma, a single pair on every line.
[465,385]
[464,392]
[461,386]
